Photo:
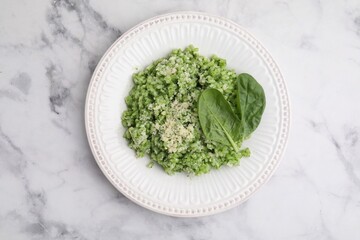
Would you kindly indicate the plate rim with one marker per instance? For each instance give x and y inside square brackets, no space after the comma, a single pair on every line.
[98,73]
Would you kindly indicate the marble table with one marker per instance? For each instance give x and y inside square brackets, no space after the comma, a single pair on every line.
[50,185]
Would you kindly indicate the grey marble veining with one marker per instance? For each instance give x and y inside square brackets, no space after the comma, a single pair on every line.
[50,185]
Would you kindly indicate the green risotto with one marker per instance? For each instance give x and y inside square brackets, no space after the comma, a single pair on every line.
[162,117]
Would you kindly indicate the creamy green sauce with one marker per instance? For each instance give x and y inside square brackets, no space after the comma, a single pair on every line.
[161,119]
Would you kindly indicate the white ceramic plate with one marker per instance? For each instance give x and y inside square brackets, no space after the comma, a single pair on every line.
[180,195]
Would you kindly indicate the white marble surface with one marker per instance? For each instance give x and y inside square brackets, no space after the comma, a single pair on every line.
[50,185]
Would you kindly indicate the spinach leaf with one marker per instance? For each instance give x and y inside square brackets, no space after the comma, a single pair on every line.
[250,102]
[217,119]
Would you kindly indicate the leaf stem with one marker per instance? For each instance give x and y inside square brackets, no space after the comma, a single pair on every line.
[231,142]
